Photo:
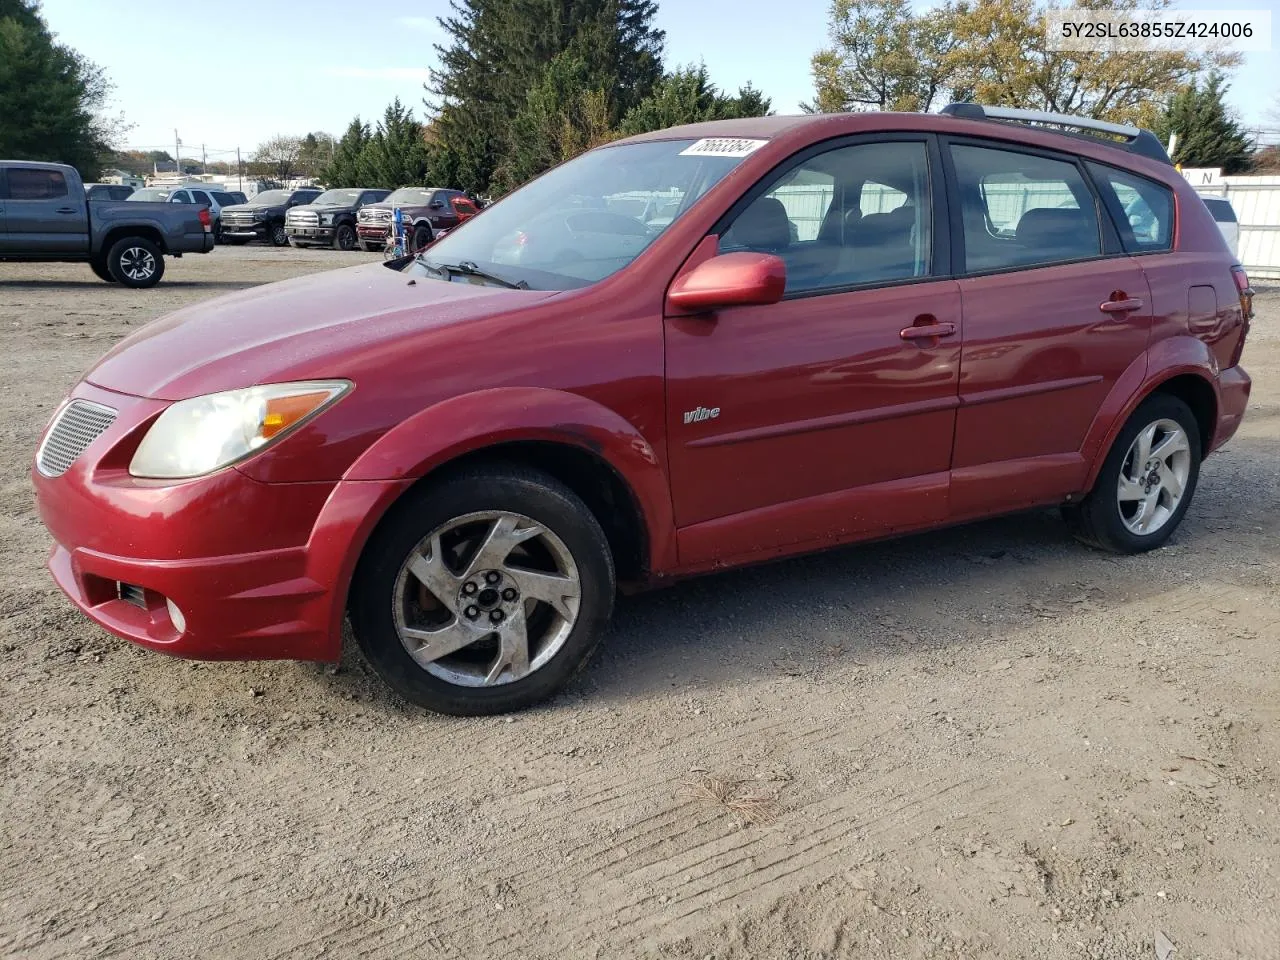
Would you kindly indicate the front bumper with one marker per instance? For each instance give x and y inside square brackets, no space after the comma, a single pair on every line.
[309,233]
[1233,398]
[257,570]
[371,233]
[249,231]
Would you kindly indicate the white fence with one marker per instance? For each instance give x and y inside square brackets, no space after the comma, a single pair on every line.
[1257,204]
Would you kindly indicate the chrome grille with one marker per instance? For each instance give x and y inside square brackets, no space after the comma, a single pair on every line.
[303,217]
[237,217]
[76,426]
[374,215]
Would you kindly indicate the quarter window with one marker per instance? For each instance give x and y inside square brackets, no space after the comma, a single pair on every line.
[1145,209]
[854,215]
[1020,210]
[27,184]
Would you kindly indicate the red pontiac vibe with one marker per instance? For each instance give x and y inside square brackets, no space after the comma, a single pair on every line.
[693,349]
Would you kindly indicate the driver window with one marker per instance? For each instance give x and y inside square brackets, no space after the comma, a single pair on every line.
[854,215]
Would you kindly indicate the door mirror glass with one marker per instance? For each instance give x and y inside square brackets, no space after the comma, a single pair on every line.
[730,280]
[436,204]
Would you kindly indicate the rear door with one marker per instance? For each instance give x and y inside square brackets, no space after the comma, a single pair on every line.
[1054,313]
[41,214]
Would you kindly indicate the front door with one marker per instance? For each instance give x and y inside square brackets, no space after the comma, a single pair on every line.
[1054,314]
[829,415]
[41,215]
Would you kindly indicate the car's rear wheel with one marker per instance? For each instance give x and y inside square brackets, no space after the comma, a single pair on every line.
[279,238]
[1146,483]
[484,593]
[135,262]
[99,268]
[344,237]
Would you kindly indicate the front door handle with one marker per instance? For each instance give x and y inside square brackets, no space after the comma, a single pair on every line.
[927,331]
[66,210]
[1120,306]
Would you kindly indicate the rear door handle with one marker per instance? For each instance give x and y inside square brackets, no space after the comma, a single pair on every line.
[66,210]
[1120,306]
[926,331]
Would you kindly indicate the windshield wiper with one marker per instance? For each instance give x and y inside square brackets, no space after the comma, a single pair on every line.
[468,268]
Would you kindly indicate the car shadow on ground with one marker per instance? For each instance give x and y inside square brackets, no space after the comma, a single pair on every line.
[863,603]
[95,283]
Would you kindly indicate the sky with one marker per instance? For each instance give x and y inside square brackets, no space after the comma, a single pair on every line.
[240,71]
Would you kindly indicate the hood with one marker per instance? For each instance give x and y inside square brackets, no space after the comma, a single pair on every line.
[311,327]
[383,205]
[327,208]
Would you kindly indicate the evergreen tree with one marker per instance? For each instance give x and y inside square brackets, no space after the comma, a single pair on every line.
[501,52]
[50,96]
[687,95]
[1208,134]
[344,169]
[396,154]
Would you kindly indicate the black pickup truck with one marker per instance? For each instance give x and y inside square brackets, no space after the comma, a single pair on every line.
[262,218]
[330,219]
[46,217]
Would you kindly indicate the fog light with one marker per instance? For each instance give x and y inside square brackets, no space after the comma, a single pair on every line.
[179,621]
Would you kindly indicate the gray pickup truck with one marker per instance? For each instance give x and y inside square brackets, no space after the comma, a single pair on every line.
[46,217]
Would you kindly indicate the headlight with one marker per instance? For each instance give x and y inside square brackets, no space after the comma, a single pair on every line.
[326,219]
[259,215]
[197,436]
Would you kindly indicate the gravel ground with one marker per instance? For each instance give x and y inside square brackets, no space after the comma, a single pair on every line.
[985,742]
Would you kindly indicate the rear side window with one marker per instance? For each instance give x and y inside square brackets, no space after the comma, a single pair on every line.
[202,197]
[1143,208]
[1222,210]
[27,184]
[1021,210]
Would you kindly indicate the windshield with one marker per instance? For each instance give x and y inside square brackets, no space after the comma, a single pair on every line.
[337,198]
[587,219]
[410,195]
[270,198]
[151,193]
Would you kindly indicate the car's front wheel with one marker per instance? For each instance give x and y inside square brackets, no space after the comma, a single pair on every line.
[372,246]
[1146,483]
[279,238]
[344,237]
[483,593]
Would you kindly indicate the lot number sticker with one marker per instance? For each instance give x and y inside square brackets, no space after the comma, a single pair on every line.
[722,147]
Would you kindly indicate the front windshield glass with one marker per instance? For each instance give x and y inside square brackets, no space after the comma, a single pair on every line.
[410,195]
[587,219]
[270,198]
[337,198]
[151,193]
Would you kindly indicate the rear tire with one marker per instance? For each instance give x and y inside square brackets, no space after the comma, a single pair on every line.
[135,262]
[99,268]
[451,535]
[1146,483]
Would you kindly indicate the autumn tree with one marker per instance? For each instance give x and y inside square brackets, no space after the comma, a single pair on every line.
[883,55]
[278,157]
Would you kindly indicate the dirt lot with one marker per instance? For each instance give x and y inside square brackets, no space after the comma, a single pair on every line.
[987,742]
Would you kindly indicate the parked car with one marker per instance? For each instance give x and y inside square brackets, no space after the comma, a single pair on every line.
[427,212]
[46,216]
[107,191]
[468,456]
[262,218]
[237,197]
[331,218]
[1224,215]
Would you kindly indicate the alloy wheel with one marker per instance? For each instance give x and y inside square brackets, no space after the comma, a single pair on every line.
[137,263]
[487,599]
[1153,477]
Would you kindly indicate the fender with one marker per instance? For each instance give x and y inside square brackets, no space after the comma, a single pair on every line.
[1164,360]
[485,418]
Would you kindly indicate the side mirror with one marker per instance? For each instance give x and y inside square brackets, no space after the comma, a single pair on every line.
[730,280]
[436,204]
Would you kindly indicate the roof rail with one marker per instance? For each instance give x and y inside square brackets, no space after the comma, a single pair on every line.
[1136,140]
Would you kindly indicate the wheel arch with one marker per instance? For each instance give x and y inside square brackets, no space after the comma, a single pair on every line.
[116,234]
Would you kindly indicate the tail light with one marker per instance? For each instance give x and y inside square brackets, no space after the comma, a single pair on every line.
[1246,309]
[206,219]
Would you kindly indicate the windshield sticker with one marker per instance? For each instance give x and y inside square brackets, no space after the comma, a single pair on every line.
[722,147]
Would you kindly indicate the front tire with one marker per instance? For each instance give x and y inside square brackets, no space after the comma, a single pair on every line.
[135,262]
[344,237]
[371,247]
[483,593]
[277,236]
[1146,483]
[421,237]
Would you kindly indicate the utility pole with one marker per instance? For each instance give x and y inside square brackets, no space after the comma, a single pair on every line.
[239,171]
[177,153]
[204,161]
